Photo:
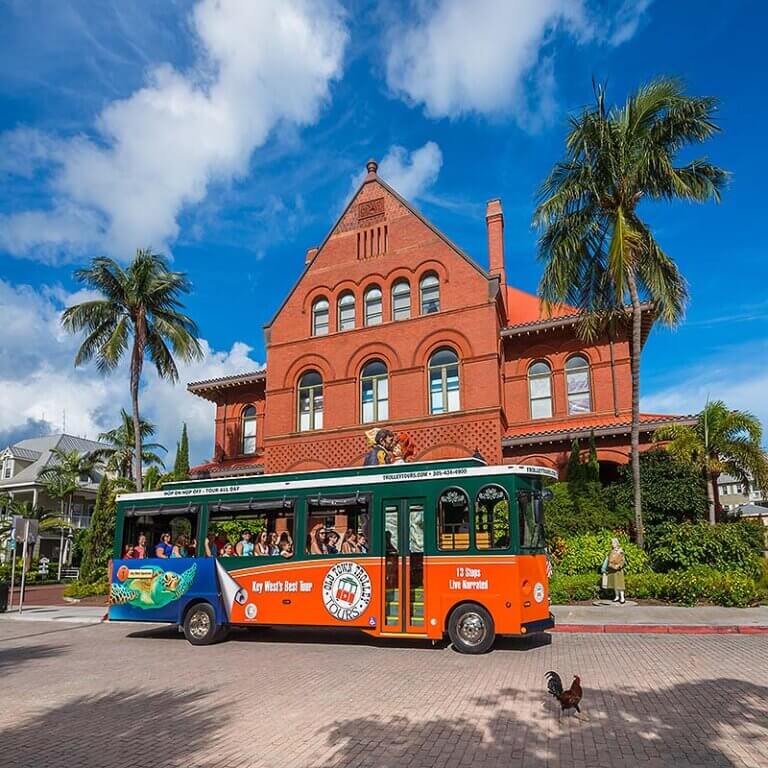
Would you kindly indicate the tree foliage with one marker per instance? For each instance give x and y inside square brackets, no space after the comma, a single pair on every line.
[580,508]
[121,442]
[181,464]
[98,546]
[673,491]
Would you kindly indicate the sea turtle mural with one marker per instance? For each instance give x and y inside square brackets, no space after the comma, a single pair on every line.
[150,586]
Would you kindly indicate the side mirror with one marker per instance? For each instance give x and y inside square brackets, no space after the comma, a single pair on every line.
[547,495]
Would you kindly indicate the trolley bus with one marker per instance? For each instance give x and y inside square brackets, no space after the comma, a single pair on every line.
[416,550]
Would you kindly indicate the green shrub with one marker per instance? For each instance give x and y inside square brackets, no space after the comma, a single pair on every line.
[762,583]
[78,589]
[672,491]
[723,547]
[581,507]
[585,554]
[694,586]
[567,589]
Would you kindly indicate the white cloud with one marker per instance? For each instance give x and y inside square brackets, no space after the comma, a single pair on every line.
[411,174]
[487,56]
[259,65]
[741,383]
[38,379]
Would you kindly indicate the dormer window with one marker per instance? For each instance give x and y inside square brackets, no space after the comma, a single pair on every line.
[7,468]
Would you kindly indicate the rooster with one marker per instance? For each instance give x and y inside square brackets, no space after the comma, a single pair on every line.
[569,699]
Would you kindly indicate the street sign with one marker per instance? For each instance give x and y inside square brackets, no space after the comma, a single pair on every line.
[42,566]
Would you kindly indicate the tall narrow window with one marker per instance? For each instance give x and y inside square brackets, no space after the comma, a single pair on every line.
[453,519]
[492,518]
[430,294]
[540,390]
[443,381]
[248,430]
[374,392]
[346,311]
[401,300]
[310,401]
[577,385]
[320,317]
[373,310]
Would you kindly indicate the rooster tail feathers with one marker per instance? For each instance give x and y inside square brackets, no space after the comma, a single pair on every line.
[554,684]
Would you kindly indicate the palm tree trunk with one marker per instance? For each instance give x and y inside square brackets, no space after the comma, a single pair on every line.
[136,363]
[61,542]
[712,497]
[637,325]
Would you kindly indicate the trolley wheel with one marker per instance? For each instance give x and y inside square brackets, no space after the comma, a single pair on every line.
[471,629]
[200,626]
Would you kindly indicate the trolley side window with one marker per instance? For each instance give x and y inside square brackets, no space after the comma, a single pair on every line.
[254,528]
[492,518]
[531,519]
[453,520]
[338,525]
[168,531]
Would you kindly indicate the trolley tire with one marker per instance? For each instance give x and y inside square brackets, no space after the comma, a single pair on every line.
[200,627]
[471,629]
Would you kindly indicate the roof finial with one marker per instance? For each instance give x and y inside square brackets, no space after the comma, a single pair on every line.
[372,166]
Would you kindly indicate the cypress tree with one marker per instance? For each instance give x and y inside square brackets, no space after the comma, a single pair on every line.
[98,547]
[575,468]
[181,465]
[592,470]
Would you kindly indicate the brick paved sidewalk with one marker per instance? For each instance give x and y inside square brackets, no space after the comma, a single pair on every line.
[122,695]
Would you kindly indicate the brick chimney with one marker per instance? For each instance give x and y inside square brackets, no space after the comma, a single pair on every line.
[310,254]
[494,220]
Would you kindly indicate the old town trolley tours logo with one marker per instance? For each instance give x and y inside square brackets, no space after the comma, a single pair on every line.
[346,591]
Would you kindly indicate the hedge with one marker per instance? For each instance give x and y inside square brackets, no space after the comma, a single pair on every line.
[723,547]
[78,589]
[585,553]
[687,587]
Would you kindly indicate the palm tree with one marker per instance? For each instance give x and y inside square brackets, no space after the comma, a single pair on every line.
[61,479]
[599,254]
[722,440]
[140,306]
[119,456]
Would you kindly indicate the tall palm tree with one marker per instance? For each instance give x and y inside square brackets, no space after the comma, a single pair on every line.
[722,440]
[140,307]
[119,456]
[598,253]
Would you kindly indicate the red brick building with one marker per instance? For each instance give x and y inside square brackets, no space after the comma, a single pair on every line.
[392,324]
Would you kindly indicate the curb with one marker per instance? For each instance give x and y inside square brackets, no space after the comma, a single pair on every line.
[662,629]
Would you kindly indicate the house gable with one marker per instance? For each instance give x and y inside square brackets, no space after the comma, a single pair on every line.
[378,237]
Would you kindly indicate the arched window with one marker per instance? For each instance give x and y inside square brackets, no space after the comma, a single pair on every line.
[373,309]
[374,392]
[577,384]
[346,311]
[248,430]
[453,519]
[540,390]
[401,300]
[444,381]
[320,317]
[310,401]
[492,518]
[430,294]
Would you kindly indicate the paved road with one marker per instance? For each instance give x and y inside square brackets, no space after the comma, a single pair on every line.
[127,695]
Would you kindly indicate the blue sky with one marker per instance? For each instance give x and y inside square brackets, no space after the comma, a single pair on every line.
[229,135]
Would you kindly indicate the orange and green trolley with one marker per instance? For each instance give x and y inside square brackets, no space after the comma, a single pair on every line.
[420,550]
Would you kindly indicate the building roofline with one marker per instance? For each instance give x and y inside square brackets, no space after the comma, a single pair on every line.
[567,434]
[549,323]
[200,388]
[371,177]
